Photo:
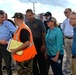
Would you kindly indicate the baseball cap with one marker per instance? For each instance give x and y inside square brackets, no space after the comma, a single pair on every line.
[47,14]
[18,15]
[52,19]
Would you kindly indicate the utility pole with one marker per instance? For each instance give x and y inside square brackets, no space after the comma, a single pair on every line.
[33,5]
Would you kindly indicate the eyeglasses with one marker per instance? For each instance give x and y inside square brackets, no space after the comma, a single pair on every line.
[50,21]
[65,12]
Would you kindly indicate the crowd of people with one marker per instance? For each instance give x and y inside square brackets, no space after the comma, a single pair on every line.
[43,43]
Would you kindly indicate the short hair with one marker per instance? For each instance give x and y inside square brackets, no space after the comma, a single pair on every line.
[29,10]
[2,12]
[69,9]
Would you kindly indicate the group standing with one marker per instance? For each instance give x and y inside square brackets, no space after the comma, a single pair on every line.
[41,41]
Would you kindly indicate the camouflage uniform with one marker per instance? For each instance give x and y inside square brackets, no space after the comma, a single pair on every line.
[25,68]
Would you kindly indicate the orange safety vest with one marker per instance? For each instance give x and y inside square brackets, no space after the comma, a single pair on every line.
[29,52]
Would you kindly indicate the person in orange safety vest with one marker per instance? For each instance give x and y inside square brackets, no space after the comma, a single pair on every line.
[24,35]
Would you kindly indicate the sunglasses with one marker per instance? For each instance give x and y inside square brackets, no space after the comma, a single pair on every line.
[66,12]
[50,21]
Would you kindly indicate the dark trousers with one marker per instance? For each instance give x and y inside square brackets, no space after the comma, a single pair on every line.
[56,66]
[7,59]
[39,62]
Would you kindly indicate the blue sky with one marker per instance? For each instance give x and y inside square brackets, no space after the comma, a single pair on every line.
[56,7]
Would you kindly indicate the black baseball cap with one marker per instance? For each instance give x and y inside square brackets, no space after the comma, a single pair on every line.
[47,14]
[18,15]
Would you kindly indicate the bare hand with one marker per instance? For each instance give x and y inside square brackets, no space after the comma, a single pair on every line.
[13,51]
[45,55]
[3,42]
[43,48]
[55,59]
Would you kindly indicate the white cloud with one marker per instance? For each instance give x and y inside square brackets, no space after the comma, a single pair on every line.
[72,1]
[12,6]
[58,14]
[2,1]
